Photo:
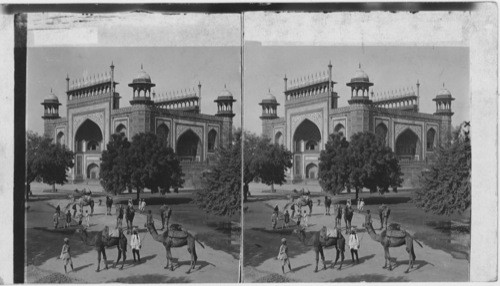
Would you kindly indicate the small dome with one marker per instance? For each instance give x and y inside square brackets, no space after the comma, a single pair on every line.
[51,97]
[443,93]
[360,76]
[225,93]
[142,77]
[270,97]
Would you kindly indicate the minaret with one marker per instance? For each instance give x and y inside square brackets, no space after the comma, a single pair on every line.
[141,86]
[286,83]
[199,96]
[418,95]
[443,108]
[360,88]
[269,112]
[67,82]
[331,83]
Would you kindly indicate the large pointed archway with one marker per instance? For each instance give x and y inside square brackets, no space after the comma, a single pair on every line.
[307,137]
[88,137]
[189,147]
[408,146]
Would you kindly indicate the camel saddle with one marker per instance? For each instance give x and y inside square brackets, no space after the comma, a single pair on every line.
[327,233]
[395,230]
[176,231]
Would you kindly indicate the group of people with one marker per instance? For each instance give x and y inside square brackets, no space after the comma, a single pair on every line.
[68,218]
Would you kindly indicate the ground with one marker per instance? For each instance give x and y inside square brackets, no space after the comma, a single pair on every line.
[217,262]
[444,256]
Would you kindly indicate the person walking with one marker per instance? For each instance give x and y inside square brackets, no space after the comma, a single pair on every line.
[66,255]
[58,210]
[328,202]
[381,215]
[287,218]
[109,205]
[143,205]
[299,216]
[354,245]
[368,217]
[306,219]
[293,210]
[276,209]
[80,217]
[74,210]
[135,244]
[68,219]
[55,219]
[130,214]
[274,220]
[283,256]
[338,217]
[163,209]
[361,205]
[87,218]
[119,218]
[149,218]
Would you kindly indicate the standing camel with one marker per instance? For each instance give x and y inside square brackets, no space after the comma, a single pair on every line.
[396,238]
[347,213]
[82,202]
[169,242]
[318,244]
[100,245]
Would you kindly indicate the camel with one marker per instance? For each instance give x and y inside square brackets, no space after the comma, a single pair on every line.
[318,245]
[404,238]
[82,202]
[101,245]
[347,213]
[169,242]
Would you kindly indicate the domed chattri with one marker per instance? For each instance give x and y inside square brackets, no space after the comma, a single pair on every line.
[51,97]
[360,76]
[225,93]
[444,93]
[269,106]
[142,77]
[225,103]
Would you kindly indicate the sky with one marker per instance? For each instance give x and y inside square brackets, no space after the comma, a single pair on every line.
[170,68]
[388,67]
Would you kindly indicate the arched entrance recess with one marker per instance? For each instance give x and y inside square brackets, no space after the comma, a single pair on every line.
[189,147]
[93,172]
[381,131]
[306,132]
[408,146]
[340,128]
[311,171]
[121,129]
[60,138]
[278,138]
[162,131]
[431,137]
[212,142]
[88,132]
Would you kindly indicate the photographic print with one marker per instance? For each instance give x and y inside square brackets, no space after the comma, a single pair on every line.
[126,114]
[366,168]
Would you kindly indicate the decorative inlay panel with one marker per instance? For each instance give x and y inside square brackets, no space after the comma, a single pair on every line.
[315,117]
[399,128]
[198,130]
[97,118]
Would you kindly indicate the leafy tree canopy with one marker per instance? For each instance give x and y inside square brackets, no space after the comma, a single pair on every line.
[115,171]
[446,185]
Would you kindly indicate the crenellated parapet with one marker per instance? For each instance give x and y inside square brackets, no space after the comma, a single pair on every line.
[403,99]
[315,84]
[184,100]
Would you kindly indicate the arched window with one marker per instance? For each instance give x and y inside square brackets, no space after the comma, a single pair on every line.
[408,145]
[431,137]
[93,146]
[212,136]
[93,171]
[311,145]
[311,171]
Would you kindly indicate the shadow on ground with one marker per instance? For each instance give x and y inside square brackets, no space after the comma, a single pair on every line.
[151,278]
[371,278]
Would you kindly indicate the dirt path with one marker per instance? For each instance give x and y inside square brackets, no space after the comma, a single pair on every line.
[431,265]
[213,265]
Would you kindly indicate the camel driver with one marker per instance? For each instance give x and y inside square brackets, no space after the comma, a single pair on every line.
[88,195]
[165,213]
[105,234]
[382,215]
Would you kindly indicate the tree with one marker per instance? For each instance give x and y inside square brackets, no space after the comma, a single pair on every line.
[47,162]
[36,145]
[115,170]
[271,162]
[446,185]
[365,162]
[153,164]
[333,165]
[221,194]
